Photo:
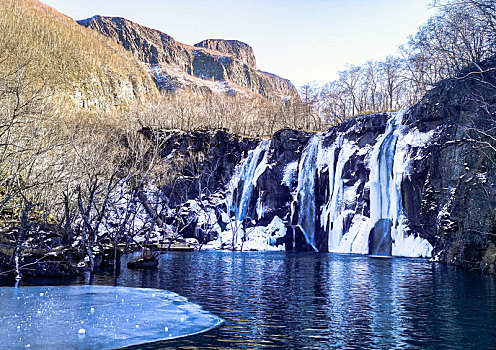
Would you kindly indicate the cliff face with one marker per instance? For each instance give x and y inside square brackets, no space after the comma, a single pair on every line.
[239,50]
[174,65]
[455,183]
[419,182]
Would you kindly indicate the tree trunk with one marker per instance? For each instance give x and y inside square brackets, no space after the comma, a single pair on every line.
[20,239]
[67,237]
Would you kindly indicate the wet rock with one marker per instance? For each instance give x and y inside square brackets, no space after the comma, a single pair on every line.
[380,241]
[145,261]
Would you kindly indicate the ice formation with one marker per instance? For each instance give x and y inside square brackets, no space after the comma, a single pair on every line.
[304,194]
[96,317]
[348,228]
[245,179]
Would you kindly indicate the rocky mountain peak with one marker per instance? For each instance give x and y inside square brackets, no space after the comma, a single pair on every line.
[235,48]
[144,43]
[218,65]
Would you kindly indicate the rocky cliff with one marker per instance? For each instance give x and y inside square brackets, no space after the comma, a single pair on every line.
[419,182]
[239,50]
[228,63]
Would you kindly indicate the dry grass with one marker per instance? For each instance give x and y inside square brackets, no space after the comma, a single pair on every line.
[69,59]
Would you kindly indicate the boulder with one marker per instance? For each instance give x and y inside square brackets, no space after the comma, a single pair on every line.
[380,241]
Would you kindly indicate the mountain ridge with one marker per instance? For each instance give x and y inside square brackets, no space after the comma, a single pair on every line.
[176,65]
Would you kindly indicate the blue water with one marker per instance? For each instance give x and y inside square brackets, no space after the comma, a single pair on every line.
[324,301]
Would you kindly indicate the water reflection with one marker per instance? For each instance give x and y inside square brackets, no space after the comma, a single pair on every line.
[308,300]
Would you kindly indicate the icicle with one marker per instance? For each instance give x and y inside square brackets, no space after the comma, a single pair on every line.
[260,207]
[327,216]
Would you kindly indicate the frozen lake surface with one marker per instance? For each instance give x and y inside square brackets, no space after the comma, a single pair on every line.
[96,317]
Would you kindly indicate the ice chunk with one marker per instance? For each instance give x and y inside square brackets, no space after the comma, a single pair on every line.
[65,309]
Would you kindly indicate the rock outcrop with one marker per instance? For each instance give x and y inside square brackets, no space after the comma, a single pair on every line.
[239,50]
[229,63]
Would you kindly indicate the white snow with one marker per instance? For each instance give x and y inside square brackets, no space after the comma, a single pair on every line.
[356,240]
[258,238]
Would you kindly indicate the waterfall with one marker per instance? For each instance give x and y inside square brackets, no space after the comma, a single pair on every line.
[247,173]
[388,163]
[304,195]
[348,230]
[335,212]
[342,214]
[385,185]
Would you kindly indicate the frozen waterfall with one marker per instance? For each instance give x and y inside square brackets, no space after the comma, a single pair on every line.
[348,229]
[247,173]
[304,194]
[345,212]
[388,162]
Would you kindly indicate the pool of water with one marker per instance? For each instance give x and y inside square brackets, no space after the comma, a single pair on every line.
[323,301]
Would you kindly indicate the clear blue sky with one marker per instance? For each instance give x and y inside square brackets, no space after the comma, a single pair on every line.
[303,40]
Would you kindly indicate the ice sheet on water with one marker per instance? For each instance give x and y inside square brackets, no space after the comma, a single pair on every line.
[96,317]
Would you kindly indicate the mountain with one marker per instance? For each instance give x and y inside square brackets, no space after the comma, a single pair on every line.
[73,62]
[214,64]
[129,63]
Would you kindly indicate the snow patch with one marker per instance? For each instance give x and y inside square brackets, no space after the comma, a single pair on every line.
[257,238]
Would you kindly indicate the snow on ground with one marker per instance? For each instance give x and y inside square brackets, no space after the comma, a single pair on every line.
[258,238]
[172,79]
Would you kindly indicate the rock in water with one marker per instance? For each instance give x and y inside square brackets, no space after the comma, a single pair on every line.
[380,241]
[145,261]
